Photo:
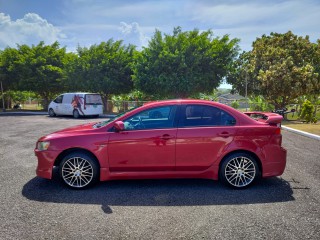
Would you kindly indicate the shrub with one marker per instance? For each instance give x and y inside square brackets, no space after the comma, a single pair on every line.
[307,112]
[235,104]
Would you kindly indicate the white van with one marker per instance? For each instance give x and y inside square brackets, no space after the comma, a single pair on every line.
[76,104]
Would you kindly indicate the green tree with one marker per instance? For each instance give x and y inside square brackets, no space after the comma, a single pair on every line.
[184,63]
[103,68]
[280,67]
[40,69]
[8,76]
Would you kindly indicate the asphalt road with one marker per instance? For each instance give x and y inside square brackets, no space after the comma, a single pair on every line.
[286,207]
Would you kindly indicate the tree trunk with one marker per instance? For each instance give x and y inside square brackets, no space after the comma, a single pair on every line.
[45,101]
[105,103]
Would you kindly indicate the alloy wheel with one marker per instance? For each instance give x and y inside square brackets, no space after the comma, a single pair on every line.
[77,172]
[240,171]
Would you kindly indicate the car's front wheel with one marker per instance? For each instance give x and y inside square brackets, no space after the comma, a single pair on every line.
[79,170]
[52,113]
[239,170]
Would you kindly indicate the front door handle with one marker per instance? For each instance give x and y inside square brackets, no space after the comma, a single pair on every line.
[224,134]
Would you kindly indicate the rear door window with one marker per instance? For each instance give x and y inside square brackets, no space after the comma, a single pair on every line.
[203,115]
[93,99]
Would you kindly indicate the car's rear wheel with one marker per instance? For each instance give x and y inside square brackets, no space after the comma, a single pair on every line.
[239,170]
[79,170]
[52,113]
[76,113]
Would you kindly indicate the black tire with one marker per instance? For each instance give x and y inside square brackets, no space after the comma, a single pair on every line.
[76,113]
[51,113]
[79,170]
[239,170]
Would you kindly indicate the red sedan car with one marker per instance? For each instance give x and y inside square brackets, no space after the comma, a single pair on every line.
[167,139]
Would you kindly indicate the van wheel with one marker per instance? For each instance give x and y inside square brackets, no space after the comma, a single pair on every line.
[76,113]
[51,113]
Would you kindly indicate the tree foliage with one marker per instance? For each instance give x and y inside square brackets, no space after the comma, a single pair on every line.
[103,68]
[280,67]
[40,69]
[184,63]
[8,75]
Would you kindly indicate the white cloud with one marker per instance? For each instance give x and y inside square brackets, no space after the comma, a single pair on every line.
[249,20]
[31,29]
[133,33]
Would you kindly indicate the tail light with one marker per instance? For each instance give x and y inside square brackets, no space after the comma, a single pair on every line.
[277,136]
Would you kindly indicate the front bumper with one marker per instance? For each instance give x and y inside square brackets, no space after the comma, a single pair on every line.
[46,161]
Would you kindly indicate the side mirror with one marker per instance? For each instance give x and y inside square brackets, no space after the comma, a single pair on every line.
[119,126]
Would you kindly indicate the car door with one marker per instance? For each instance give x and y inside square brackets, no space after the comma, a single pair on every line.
[58,105]
[66,106]
[147,143]
[203,133]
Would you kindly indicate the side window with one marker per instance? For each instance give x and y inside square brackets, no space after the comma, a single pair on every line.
[155,118]
[58,99]
[202,115]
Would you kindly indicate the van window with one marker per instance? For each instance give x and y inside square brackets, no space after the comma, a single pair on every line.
[93,99]
[58,99]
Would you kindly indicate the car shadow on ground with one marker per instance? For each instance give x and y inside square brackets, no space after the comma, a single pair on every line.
[173,192]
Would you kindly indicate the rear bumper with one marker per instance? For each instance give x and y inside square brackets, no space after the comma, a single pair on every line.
[45,163]
[276,163]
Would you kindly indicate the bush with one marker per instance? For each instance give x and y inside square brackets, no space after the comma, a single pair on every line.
[307,112]
[235,104]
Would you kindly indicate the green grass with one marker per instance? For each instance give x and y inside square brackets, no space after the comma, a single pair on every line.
[306,127]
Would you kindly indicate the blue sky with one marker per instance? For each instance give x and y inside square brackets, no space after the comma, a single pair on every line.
[87,22]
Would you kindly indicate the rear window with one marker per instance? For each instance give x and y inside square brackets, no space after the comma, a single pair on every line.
[93,99]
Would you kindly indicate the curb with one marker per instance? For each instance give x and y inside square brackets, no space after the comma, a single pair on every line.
[306,134]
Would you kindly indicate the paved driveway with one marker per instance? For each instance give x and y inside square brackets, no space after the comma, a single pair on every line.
[32,208]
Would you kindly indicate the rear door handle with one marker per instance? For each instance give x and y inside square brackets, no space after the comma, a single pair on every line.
[224,134]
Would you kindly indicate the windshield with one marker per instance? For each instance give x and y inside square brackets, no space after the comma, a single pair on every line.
[104,123]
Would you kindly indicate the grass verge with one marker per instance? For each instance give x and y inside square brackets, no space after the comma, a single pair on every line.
[306,127]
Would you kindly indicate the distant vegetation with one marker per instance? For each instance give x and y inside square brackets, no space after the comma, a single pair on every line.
[280,68]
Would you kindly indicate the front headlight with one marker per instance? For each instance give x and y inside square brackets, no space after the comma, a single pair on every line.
[42,146]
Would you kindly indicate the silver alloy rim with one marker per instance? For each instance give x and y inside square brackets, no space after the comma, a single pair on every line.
[51,112]
[77,172]
[240,171]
